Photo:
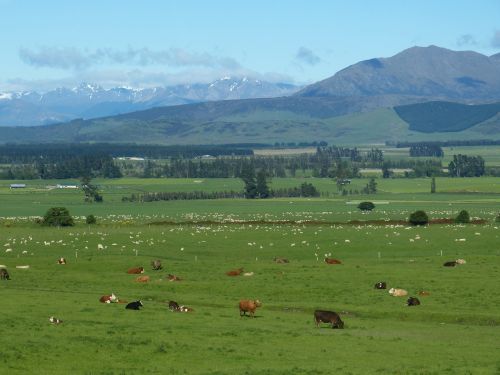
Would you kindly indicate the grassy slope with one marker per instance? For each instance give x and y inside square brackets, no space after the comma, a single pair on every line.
[258,125]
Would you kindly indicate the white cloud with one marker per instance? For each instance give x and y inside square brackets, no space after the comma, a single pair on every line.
[71,58]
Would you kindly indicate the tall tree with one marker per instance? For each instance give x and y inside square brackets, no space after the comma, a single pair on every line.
[261,186]
[248,177]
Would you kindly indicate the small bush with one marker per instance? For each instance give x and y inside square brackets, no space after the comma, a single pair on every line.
[58,217]
[463,217]
[366,206]
[90,219]
[419,218]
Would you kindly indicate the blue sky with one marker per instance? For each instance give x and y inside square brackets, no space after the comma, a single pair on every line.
[144,43]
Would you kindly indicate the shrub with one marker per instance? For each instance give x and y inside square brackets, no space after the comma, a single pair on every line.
[419,218]
[463,217]
[58,217]
[90,219]
[366,206]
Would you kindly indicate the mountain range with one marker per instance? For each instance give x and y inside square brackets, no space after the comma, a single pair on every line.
[422,93]
[88,101]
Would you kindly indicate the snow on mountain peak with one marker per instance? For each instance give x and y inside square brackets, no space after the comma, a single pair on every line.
[6,96]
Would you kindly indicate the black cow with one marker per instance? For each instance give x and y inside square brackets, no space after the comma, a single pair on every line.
[381,285]
[413,301]
[4,275]
[328,317]
[136,305]
[156,264]
[173,306]
[450,264]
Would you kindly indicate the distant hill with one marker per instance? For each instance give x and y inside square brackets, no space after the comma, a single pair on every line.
[89,101]
[430,72]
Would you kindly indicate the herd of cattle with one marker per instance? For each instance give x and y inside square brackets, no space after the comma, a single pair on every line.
[245,306]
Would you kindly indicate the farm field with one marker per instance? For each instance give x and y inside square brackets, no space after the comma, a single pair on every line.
[455,330]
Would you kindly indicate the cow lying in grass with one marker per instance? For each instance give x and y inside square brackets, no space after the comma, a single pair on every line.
[175,307]
[332,261]
[136,305]
[136,270]
[109,298]
[237,272]
[398,292]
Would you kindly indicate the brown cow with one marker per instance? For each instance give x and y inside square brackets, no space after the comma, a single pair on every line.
[142,279]
[247,305]
[136,270]
[328,317]
[109,298]
[237,272]
[332,261]
[173,278]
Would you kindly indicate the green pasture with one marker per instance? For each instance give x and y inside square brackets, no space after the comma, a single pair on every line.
[455,330]
[395,200]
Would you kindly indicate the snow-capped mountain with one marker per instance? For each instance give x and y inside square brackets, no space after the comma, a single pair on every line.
[88,101]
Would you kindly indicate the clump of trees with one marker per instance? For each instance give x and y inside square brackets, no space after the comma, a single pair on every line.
[426,149]
[418,218]
[91,191]
[58,217]
[466,166]
[371,187]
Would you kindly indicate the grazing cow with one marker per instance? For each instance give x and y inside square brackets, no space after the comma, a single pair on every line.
[281,260]
[54,320]
[156,264]
[381,285]
[328,317]
[423,293]
[460,261]
[173,306]
[136,270]
[109,298]
[136,305]
[142,279]
[332,261]
[247,305]
[237,272]
[413,301]
[173,278]
[61,260]
[398,292]
[450,264]
[4,275]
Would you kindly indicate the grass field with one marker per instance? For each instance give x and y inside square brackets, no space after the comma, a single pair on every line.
[455,330]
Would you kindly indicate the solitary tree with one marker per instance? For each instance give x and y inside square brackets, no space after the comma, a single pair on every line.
[463,217]
[366,206]
[433,185]
[261,186]
[248,177]
[371,187]
[419,218]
